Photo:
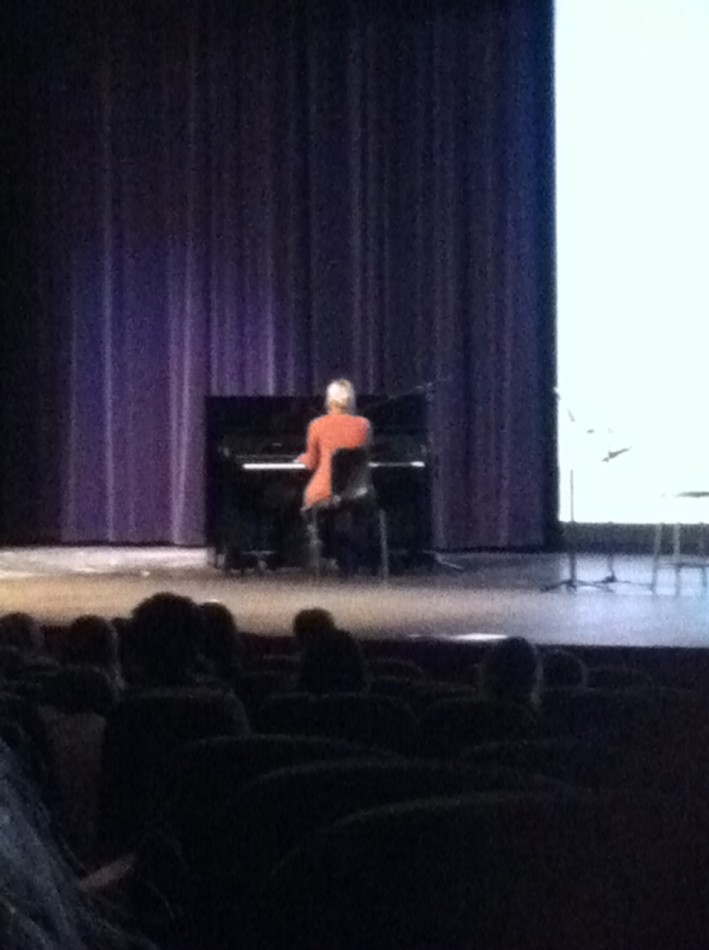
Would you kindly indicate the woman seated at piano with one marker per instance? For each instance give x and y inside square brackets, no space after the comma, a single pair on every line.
[339,428]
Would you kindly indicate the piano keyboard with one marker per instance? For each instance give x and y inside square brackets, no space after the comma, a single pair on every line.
[286,466]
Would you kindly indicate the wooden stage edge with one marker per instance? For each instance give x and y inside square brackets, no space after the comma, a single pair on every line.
[468,599]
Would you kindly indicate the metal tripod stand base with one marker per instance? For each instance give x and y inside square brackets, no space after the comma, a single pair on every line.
[574,584]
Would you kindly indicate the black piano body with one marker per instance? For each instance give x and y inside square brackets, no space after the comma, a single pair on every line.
[254,488]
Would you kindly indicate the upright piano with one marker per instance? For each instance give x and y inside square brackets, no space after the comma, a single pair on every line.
[254,486]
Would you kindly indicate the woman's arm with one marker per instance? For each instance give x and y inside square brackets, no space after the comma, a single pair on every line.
[311,457]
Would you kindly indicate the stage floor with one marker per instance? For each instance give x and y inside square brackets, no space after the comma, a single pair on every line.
[468,598]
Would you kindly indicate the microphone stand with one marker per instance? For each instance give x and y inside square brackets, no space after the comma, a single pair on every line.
[612,577]
[611,454]
[572,582]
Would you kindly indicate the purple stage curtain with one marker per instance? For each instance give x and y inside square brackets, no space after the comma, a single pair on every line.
[251,197]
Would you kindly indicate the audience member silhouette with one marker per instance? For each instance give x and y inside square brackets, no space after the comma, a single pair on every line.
[222,646]
[167,633]
[511,671]
[311,621]
[93,641]
[42,906]
[563,669]
[332,661]
[22,631]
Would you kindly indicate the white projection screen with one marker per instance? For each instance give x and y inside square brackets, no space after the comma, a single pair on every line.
[632,199]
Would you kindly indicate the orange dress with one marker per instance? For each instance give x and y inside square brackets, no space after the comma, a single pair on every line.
[326,435]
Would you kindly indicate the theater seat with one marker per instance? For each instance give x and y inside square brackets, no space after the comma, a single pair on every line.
[143,733]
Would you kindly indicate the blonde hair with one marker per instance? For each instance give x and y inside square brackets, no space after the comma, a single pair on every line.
[340,395]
